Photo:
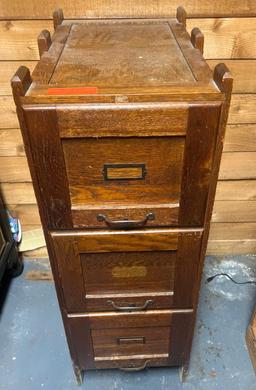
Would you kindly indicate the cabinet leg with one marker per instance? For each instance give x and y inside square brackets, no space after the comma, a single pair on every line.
[184,370]
[79,374]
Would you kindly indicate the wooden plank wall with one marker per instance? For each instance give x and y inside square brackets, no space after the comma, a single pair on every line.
[229,27]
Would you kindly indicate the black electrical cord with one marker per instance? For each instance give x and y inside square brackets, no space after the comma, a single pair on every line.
[229,277]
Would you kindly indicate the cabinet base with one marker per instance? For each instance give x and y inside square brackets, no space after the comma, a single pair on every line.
[184,371]
[79,374]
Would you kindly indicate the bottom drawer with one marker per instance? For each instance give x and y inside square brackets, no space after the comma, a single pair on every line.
[119,343]
[132,340]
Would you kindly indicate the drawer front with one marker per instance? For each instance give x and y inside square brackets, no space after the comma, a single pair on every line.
[128,271]
[112,343]
[124,179]
[132,340]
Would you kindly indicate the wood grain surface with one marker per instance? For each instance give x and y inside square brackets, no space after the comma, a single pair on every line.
[130,8]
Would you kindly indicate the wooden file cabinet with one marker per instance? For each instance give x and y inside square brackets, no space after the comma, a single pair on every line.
[123,125]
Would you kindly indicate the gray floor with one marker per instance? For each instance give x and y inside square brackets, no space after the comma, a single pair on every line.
[34,355]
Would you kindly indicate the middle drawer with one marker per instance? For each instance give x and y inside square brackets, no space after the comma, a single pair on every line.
[127,270]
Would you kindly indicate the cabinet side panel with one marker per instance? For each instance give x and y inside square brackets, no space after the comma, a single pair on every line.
[47,157]
[198,163]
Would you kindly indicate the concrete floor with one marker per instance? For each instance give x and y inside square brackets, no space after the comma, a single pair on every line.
[34,355]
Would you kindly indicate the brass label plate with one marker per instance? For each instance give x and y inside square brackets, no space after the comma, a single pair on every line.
[129,272]
[124,171]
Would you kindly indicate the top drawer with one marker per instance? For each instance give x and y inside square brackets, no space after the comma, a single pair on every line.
[123,165]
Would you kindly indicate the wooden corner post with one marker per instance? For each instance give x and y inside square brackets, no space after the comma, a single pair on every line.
[181,15]
[44,42]
[58,17]
[197,39]
[20,83]
[224,81]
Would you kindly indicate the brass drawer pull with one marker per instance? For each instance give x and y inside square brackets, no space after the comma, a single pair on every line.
[132,307]
[139,368]
[125,224]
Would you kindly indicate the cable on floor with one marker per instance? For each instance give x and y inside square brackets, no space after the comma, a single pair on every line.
[230,278]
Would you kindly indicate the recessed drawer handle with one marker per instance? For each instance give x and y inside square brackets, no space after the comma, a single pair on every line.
[139,368]
[132,307]
[125,224]
[131,340]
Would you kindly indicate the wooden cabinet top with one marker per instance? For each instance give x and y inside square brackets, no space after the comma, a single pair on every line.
[121,55]
[122,60]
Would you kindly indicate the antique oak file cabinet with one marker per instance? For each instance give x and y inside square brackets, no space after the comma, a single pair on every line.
[123,125]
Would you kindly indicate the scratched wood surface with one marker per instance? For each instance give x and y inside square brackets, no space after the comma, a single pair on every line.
[230,32]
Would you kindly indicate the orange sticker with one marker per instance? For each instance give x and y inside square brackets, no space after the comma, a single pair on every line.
[73,91]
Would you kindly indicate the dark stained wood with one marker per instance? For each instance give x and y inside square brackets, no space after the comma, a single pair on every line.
[181,15]
[137,50]
[197,39]
[47,156]
[161,157]
[165,214]
[198,65]
[20,83]
[181,337]
[109,142]
[45,67]
[122,119]
[224,81]
[106,326]
[127,268]
[187,263]
[44,42]
[114,344]
[80,334]
[198,162]
[58,17]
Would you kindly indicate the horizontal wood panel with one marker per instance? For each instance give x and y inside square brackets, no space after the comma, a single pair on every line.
[233,231]
[8,68]
[224,37]
[243,72]
[242,109]
[127,8]
[232,238]
[8,117]
[240,138]
[18,39]
[236,190]
[238,165]
[40,253]
[15,170]
[234,211]
[28,214]
[129,241]
[229,247]
[227,37]
[11,143]
[18,193]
